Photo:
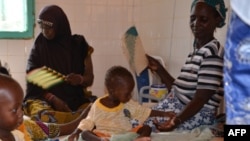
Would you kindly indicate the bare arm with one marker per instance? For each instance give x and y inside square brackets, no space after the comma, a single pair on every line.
[88,77]
[155,65]
[155,113]
[201,97]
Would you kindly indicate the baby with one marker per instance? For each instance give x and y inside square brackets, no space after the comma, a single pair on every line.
[11,98]
[12,125]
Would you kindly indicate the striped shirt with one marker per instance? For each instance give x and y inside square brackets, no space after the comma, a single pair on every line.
[203,69]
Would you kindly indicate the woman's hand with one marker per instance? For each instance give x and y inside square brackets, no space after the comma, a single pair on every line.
[170,114]
[74,79]
[60,105]
[153,64]
[167,126]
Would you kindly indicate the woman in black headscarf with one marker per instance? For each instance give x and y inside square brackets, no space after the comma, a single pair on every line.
[56,48]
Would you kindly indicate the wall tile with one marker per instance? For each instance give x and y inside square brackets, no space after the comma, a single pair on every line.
[16,47]
[3,47]
[17,63]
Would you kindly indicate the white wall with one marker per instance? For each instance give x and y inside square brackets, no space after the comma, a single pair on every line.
[162,24]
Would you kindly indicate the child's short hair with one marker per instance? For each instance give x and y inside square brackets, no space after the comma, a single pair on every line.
[117,72]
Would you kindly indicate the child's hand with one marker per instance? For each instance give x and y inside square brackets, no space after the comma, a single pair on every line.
[143,139]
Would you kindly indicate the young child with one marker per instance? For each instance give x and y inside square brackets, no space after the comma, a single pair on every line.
[12,125]
[114,113]
[11,113]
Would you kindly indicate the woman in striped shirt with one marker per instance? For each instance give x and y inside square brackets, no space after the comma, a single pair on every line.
[196,93]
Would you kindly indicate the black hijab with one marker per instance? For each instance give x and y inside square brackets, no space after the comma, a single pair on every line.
[56,15]
[65,54]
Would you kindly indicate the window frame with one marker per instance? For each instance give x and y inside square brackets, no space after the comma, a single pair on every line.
[29,33]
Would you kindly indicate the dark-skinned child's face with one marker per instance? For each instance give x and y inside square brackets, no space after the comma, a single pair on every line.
[203,21]
[11,114]
[122,90]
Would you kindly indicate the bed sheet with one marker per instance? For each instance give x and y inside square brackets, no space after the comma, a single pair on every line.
[178,136]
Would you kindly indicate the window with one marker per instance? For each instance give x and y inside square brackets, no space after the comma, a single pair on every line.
[16,19]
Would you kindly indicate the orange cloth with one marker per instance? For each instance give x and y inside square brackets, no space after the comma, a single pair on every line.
[25,132]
